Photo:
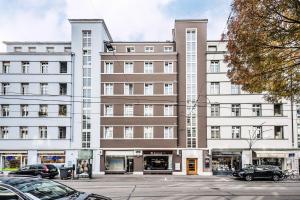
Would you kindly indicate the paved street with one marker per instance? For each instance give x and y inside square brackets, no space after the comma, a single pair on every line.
[186,187]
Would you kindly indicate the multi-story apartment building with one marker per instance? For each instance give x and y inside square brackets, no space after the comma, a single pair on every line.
[238,121]
[135,107]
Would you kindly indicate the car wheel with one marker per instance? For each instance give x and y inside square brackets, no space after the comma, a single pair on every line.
[39,176]
[249,178]
[275,178]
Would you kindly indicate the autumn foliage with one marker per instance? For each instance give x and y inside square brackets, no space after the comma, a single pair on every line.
[264,47]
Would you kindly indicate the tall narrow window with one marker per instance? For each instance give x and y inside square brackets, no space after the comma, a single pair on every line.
[128,67]
[24,110]
[128,89]
[214,88]
[108,132]
[43,110]
[44,88]
[236,110]
[148,132]
[128,110]
[5,67]
[86,39]
[148,110]
[236,132]
[168,110]
[3,132]
[235,89]
[63,89]
[62,110]
[148,89]
[5,110]
[168,67]
[148,67]
[257,132]
[215,110]
[62,133]
[278,132]
[256,110]
[108,89]
[25,67]
[108,110]
[63,67]
[214,66]
[109,68]
[43,132]
[215,132]
[278,109]
[168,90]
[128,132]
[25,88]
[23,132]
[4,88]
[44,67]
[168,133]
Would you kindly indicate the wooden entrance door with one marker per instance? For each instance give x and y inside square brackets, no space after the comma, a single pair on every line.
[191,166]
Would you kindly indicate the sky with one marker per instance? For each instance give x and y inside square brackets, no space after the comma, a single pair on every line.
[134,20]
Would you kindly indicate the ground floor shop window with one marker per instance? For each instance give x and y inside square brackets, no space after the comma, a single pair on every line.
[271,161]
[156,162]
[13,162]
[115,163]
[52,158]
[225,164]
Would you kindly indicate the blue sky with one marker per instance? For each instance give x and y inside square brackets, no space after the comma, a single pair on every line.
[30,20]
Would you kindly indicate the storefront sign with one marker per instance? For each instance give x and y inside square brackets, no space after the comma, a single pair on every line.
[85,154]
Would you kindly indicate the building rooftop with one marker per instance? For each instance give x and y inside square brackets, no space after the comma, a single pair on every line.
[36,42]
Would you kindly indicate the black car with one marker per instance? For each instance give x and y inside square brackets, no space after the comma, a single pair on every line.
[26,188]
[38,170]
[260,172]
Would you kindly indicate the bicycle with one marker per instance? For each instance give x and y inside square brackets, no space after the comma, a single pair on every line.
[290,174]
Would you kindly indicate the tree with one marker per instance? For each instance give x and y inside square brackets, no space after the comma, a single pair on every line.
[264,47]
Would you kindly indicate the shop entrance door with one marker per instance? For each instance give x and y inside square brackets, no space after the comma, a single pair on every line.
[191,166]
[129,165]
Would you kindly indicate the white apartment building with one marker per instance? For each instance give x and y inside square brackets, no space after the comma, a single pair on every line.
[237,120]
[50,99]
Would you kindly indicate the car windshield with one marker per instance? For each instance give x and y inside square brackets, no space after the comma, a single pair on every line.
[44,189]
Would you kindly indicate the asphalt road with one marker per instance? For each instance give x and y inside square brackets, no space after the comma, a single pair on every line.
[186,188]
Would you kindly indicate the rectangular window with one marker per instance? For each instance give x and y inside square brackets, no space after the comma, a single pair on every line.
[148,67]
[23,132]
[148,132]
[109,68]
[128,89]
[63,67]
[50,49]
[62,110]
[108,89]
[63,89]
[278,109]
[214,66]
[168,133]
[17,49]
[215,110]
[25,67]
[235,89]
[128,67]
[108,110]
[168,49]
[4,88]
[5,67]
[128,132]
[62,132]
[257,131]
[67,49]
[86,139]
[278,132]
[236,132]
[148,110]
[24,110]
[44,88]
[43,110]
[236,110]
[24,88]
[148,89]
[5,110]
[128,110]
[3,132]
[215,132]
[44,67]
[31,49]
[168,90]
[256,110]
[149,49]
[168,110]
[168,68]
[214,88]
[108,132]
[86,38]
[43,132]
[212,48]
[130,49]
[298,111]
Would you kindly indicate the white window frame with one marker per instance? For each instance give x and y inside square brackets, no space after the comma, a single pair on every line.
[132,49]
[50,49]
[236,132]
[128,67]
[168,110]
[168,67]
[148,132]
[168,132]
[24,110]
[109,68]
[108,89]
[44,67]
[214,87]
[235,89]
[148,88]
[215,110]
[5,88]
[25,67]
[281,133]
[108,132]
[168,49]
[128,110]
[149,49]
[5,110]
[168,89]
[148,110]
[128,89]
[5,67]
[108,110]
[128,132]
[148,67]
[214,66]
[258,131]
[23,132]
[234,108]
[215,132]
[43,132]
[256,109]
[44,88]
[4,131]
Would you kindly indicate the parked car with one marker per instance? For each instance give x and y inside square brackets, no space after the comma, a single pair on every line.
[38,170]
[260,172]
[28,188]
